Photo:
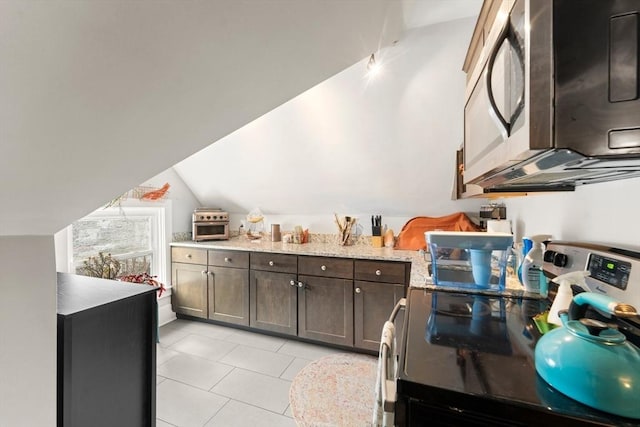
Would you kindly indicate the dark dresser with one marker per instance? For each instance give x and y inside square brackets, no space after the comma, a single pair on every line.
[106,353]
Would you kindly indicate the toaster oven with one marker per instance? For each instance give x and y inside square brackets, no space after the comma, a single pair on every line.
[210,224]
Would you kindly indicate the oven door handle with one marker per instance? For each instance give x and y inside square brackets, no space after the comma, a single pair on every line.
[388,387]
[402,303]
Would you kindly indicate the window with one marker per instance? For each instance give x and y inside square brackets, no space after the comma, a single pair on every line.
[135,234]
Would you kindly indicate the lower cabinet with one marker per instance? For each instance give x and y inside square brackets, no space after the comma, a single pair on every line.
[228,286]
[189,293]
[273,302]
[377,288]
[273,292]
[372,305]
[325,310]
[228,292]
[339,301]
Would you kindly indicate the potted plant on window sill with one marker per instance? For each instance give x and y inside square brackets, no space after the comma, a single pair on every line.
[106,267]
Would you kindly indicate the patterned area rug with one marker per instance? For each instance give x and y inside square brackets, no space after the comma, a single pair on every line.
[336,390]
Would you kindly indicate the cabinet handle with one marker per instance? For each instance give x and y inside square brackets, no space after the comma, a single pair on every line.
[300,285]
[292,283]
[323,268]
[227,259]
[358,290]
[271,263]
[378,272]
[189,256]
[210,273]
[203,272]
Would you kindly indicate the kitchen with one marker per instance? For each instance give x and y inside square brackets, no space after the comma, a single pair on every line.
[412,116]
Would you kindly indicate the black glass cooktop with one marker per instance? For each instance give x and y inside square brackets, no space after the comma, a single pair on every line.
[480,349]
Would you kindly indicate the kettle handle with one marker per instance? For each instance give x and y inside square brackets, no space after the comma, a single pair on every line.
[603,303]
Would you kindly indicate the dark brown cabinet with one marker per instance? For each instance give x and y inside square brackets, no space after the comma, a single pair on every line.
[340,301]
[228,286]
[211,284]
[378,286]
[325,299]
[325,309]
[189,293]
[273,293]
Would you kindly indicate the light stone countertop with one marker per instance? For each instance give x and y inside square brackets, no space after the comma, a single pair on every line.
[419,278]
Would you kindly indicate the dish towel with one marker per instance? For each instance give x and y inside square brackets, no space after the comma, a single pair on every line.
[381,418]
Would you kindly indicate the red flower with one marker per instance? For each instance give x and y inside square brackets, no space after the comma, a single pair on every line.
[143,278]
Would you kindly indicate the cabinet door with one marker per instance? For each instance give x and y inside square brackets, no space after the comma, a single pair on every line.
[273,301]
[325,309]
[189,293]
[373,303]
[229,295]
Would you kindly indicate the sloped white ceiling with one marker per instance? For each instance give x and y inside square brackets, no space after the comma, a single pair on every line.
[98,96]
[420,13]
[351,144]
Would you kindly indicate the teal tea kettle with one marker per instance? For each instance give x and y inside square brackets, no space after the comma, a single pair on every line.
[591,361]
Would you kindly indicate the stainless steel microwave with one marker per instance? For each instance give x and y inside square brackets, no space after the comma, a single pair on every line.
[553,102]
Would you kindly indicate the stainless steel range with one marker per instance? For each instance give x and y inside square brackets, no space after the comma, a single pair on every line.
[210,224]
[614,271]
[468,359]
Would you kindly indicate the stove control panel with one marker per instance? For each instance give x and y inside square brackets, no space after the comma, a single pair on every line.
[608,270]
[613,271]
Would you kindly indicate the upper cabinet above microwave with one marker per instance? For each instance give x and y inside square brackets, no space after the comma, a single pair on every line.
[552,98]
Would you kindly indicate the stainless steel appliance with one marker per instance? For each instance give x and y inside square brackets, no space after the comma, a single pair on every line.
[468,358]
[210,224]
[553,101]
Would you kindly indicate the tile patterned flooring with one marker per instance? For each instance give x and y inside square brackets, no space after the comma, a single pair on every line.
[210,375]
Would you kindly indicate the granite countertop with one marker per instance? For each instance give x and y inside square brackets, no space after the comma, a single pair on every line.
[419,267]
[420,277]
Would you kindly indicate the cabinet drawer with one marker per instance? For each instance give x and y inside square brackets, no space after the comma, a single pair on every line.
[380,271]
[326,267]
[189,255]
[237,259]
[281,263]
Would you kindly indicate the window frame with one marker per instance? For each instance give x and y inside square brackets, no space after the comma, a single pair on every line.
[160,211]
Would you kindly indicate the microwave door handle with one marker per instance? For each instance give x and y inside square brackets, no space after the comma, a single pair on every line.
[498,118]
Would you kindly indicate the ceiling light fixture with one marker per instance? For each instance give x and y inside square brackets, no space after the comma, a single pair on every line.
[373,67]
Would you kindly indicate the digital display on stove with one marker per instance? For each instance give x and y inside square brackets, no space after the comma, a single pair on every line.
[610,271]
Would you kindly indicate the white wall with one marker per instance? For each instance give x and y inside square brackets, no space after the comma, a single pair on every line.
[351,145]
[598,213]
[183,201]
[27,331]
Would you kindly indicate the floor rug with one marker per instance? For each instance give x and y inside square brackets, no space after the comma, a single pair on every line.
[336,390]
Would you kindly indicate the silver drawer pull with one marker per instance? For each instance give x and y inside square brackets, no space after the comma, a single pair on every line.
[323,268]
[378,272]
[188,256]
[227,259]
[203,272]
[292,283]
[271,263]
[358,290]
[300,285]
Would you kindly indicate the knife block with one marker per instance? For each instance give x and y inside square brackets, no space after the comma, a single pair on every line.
[376,241]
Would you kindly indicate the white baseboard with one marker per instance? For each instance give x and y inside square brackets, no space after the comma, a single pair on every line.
[165,313]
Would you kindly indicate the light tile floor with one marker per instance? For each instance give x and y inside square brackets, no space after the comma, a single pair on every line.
[210,375]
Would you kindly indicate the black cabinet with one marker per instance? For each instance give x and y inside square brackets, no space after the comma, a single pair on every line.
[106,354]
